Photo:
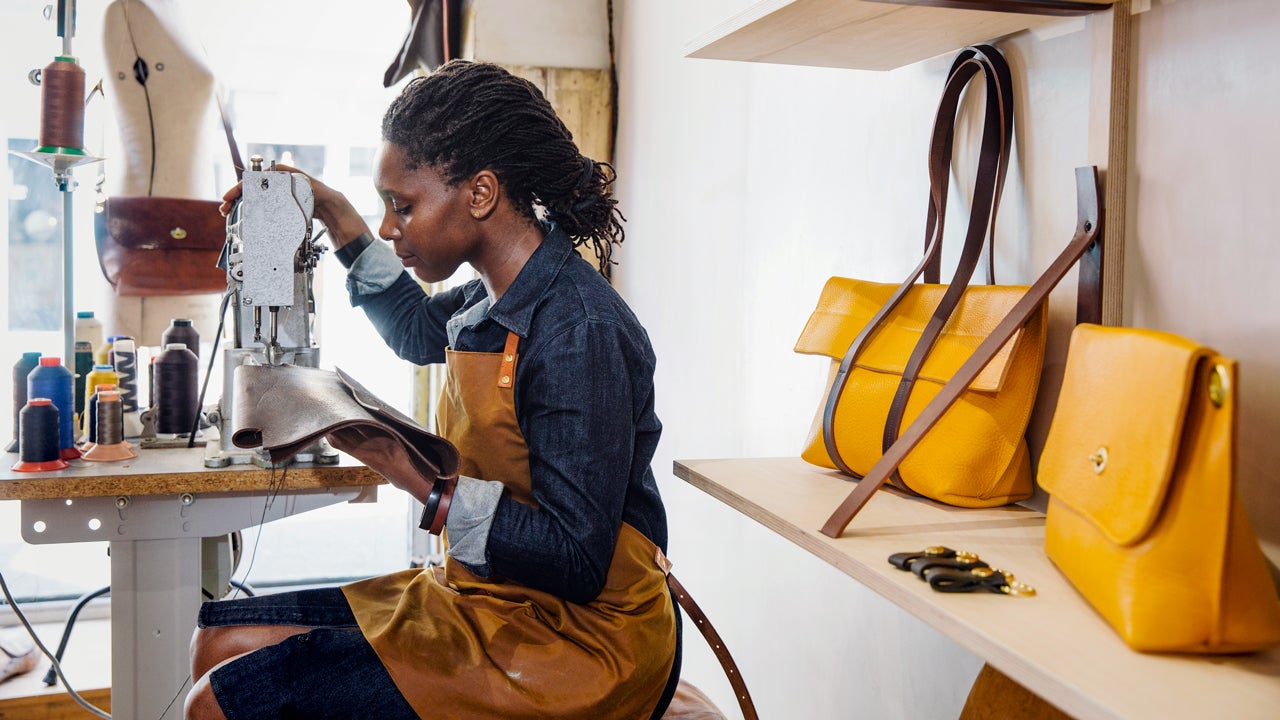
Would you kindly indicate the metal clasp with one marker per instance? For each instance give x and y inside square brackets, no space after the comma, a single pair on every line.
[1099,460]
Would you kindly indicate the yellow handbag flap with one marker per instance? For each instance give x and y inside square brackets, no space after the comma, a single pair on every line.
[847,305]
[1115,434]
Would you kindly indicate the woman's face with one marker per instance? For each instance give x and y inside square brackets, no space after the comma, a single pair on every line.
[427,221]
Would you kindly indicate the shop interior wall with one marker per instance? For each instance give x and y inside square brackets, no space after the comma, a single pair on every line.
[747,185]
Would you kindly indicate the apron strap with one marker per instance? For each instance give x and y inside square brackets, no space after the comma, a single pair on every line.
[507,371]
[713,639]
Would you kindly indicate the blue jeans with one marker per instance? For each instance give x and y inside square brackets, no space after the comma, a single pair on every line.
[329,672]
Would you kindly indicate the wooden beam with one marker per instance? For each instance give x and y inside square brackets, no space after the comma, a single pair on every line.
[1109,102]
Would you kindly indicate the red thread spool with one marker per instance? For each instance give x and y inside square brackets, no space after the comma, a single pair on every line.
[62,105]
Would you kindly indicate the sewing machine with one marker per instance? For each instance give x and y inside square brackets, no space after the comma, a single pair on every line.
[271,259]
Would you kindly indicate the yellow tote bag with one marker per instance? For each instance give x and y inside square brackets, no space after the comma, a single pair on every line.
[1143,517]
[894,347]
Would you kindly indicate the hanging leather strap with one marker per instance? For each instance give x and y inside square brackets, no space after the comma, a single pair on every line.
[1087,240]
[236,162]
[993,159]
[717,645]
[993,162]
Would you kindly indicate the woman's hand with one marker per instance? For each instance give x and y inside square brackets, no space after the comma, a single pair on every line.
[385,456]
[331,208]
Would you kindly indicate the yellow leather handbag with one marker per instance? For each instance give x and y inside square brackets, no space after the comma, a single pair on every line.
[893,347]
[1143,517]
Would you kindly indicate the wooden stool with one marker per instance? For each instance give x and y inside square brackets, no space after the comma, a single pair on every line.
[690,703]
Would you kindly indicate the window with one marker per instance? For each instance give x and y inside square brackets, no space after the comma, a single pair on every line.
[303,81]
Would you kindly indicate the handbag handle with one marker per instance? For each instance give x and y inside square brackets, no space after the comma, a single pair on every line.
[993,159]
[1087,241]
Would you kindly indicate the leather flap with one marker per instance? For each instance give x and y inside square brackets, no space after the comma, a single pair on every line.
[847,305]
[1114,438]
[149,223]
[285,409]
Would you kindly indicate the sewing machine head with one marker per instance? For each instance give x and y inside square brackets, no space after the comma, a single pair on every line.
[271,260]
[270,266]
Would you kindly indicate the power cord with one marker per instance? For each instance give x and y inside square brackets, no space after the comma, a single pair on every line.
[56,665]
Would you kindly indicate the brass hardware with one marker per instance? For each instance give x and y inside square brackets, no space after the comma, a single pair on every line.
[1219,385]
[982,572]
[1099,460]
[509,357]
[178,233]
[506,379]
[1018,589]
[934,550]
[966,557]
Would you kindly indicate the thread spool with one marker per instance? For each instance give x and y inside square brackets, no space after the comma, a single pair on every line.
[111,444]
[93,411]
[101,374]
[181,330]
[88,328]
[151,382]
[102,355]
[125,355]
[21,370]
[84,364]
[62,105]
[177,369]
[38,437]
[54,381]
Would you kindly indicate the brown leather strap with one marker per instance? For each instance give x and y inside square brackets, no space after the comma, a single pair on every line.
[1088,232]
[717,646]
[996,141]
[993,161]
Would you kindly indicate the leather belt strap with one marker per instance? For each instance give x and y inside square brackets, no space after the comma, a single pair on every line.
[1087,239]
[717,645]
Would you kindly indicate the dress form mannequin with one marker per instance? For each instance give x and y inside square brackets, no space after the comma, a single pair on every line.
[167,140]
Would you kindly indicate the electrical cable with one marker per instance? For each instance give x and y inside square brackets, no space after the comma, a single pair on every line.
[51,678]
[56,665]
[273,491]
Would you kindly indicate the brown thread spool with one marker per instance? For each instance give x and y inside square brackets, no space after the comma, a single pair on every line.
[62,105]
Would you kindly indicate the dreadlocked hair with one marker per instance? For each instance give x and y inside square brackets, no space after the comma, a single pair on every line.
[470,116]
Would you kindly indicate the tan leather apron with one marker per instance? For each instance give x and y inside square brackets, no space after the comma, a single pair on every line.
[461,646]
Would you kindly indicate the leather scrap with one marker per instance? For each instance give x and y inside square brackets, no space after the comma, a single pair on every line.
[284,409]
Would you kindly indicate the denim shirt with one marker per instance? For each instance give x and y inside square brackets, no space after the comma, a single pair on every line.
[584,400]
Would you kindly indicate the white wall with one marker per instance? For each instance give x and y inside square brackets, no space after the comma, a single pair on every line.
[747,185]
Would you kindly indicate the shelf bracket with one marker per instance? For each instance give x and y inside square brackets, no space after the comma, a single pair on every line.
[1109,128]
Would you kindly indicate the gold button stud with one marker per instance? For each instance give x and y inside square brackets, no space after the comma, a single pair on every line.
[1099,460]
[1219,385]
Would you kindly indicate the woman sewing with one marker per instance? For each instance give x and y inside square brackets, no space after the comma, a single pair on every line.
[553,600]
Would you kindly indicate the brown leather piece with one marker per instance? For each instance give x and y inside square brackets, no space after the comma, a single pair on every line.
[690,703]
[285,409]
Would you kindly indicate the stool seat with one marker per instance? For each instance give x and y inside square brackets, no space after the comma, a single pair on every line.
[690,703]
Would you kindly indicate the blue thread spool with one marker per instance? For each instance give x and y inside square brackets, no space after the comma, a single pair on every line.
[38,424]
[54,381]
[21,369]
[177,370]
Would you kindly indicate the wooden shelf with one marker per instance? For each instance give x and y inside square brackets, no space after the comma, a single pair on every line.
[1054,643]
[871,34]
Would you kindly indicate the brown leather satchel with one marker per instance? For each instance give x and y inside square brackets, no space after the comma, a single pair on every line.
[161,245]
[151,245]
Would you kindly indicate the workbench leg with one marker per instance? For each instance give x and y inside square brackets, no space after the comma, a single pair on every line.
[155,596]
